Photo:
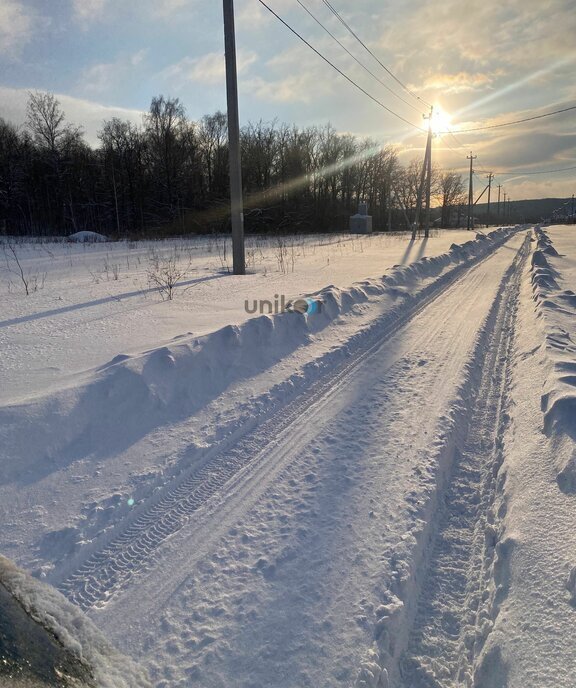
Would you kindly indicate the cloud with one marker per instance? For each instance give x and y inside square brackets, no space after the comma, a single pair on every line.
[302,87]
[86,12]
[452,37]
[254,16]
[207,69]
[17,25]
[101,78]
[86,113]
[532,149]
[458,83]
[168,8]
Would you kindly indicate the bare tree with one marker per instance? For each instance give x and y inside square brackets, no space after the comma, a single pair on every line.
[45,120]
[450,192]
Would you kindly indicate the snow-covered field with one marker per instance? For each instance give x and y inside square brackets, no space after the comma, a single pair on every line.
[381,493]
[91,302]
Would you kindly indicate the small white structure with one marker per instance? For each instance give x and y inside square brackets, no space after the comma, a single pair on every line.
[86,237]
[361,223]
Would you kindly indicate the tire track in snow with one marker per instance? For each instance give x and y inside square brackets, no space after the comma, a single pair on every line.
[457,603]
[105,571]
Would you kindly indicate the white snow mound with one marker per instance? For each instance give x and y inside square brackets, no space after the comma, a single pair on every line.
[86,237]
[47,641]
[556,307]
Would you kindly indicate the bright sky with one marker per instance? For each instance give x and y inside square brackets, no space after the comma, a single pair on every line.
[483,62]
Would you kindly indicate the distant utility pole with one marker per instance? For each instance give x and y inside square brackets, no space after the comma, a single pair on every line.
[428,174]
[504,205]
[236,205]
[490,177]
[426,166]
[509,208]
[498,211]
[470,193]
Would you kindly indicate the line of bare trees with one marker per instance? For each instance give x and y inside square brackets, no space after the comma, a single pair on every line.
[170,175]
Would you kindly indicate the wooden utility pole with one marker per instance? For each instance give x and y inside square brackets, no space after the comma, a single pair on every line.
[428,174]
[490,177]
[425,167]
[470,224]
[236,205]
[115,198]
[498,211]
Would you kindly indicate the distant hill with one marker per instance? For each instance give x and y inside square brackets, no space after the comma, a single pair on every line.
[533,210]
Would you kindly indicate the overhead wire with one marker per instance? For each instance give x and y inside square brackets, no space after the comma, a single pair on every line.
[375,76]
[351,30]
[522,174]
[323,57]
[516,121]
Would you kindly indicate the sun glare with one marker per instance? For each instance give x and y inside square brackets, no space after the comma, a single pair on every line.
[441,121]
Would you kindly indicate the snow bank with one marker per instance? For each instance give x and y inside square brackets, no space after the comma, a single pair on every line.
[133,394]
[46,641]
[556,307]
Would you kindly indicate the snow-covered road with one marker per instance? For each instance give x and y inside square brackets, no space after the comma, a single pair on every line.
[379,495]
[307,557]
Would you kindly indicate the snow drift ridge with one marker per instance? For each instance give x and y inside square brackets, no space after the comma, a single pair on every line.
[132,395]
[557,309]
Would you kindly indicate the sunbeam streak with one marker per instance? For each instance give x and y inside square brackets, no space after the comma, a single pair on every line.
[505,90]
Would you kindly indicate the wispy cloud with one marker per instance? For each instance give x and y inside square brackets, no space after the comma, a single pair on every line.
[17,25]
[169,8]
[102,77]
[207,69]
[85,12]
[302,87]
[460,82]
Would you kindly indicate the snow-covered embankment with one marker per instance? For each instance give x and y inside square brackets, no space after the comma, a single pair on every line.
[556,307]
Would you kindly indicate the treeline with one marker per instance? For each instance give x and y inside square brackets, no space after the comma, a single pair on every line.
[170,176]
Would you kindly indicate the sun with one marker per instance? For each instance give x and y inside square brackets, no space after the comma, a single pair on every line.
[441,121]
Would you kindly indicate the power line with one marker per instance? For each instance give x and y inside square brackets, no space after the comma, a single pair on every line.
[517,121]
[344,23]
[414,107]
[561,169]
[378,102]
